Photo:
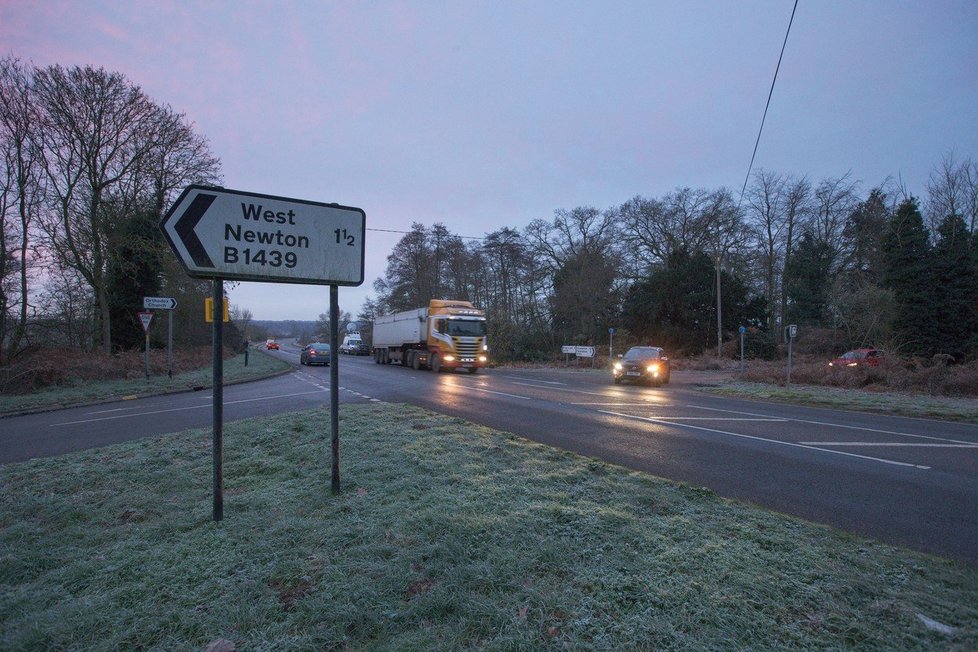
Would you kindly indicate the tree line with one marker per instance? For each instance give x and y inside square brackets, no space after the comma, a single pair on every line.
[688,269]
[89,165]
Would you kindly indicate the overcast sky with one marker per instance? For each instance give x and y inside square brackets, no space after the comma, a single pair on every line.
[483,115]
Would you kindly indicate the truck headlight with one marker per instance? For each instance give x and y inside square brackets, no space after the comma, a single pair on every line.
[449,358]
[483,358]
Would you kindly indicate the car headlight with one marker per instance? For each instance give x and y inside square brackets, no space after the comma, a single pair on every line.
[618,366]
[653,369]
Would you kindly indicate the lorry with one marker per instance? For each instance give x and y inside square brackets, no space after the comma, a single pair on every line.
[443,336]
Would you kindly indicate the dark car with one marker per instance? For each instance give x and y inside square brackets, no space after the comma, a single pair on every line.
[858,358]
[315,353]
[643,364]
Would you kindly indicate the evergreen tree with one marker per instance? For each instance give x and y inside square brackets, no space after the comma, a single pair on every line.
[808,280]
[955,289]
[584,300]
[133,272]
[907,272]
[675,306]
[863,234]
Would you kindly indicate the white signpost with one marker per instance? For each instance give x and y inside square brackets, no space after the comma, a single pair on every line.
[221,234]
[229,234]
[159,303]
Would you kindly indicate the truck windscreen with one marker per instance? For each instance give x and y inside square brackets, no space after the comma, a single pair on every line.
[466,328]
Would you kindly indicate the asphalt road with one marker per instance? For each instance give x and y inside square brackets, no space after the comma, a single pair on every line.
[911,482]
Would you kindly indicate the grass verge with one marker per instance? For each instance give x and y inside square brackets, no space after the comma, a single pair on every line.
[259,366]
[910,405]
[447,536]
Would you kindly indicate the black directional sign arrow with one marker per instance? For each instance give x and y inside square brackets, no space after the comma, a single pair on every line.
[235,235]
[188,222]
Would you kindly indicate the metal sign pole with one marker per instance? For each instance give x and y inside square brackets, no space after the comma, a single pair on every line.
[218,363]
[788,382]
[169,344]
[334,384]
[147,352]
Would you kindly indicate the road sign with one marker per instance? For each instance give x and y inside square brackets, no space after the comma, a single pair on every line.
[146,318]
[159,303]
[230,234]
[793,331]
[568,349]
[584,351]
[209,310]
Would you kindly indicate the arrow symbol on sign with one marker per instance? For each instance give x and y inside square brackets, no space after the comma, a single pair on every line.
[188,222]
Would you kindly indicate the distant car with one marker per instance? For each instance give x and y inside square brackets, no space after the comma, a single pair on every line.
[315,353]
[858,358]
[643,364]
[271,345]
[355,348]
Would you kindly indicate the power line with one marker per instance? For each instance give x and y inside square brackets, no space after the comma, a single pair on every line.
[464,237]
[770,93]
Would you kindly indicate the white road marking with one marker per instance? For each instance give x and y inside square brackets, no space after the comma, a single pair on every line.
[840,425]
[489,391]
[180,409]
[533,380]
[764,439]
[886,443]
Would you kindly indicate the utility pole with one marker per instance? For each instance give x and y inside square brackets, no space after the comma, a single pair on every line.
[719,316]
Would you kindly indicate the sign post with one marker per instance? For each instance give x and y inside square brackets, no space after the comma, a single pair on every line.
[217,367]
[223,234]
[146,319]
[168,304]
[743,330]
[792,332]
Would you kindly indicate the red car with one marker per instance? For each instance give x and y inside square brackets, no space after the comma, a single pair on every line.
[858,358]
[271,345]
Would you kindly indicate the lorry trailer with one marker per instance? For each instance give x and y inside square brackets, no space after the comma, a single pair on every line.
[445,335]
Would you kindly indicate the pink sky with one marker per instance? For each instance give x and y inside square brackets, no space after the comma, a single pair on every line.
[484,115]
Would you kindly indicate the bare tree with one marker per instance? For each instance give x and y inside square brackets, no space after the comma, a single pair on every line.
[20,196]
[109,152]
[766,212]
[96,132]
[658,228]
[953,190]
[834,201]
[797,211]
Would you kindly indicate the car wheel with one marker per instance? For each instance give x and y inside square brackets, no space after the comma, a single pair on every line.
[473,370]
[617,381]
[436,363]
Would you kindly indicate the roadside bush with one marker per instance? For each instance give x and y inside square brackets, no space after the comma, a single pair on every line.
[67,367]
[934,376]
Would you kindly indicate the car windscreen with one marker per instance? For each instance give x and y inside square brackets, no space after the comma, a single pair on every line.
[320,349]
[642,353]
[466,328]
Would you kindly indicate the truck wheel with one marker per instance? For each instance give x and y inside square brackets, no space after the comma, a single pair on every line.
[416,362]
[435,363]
